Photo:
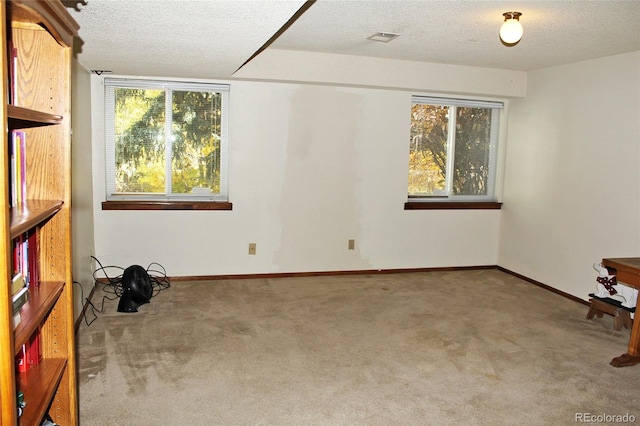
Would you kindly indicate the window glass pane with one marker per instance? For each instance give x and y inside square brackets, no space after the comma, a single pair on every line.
[196,131]
[472,151]
[139,140]
[428,150]
[453,149]
[166,140]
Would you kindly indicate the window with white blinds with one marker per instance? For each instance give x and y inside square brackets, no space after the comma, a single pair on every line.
[453,149]
[166,140]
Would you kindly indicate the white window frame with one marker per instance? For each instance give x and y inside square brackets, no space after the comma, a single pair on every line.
[453,103]
[110,84]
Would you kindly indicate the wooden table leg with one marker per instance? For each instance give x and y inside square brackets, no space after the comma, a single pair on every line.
[632,357]
[625,360]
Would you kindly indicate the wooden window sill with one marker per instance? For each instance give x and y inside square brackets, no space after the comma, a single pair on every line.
[166,205]
[452,205]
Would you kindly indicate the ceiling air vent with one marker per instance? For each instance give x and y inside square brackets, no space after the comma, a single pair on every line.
[383,37]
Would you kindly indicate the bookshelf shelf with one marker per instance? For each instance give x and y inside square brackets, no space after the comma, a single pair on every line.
[32,213]
[23,118]
[37,356]
[41,301]
[41,381]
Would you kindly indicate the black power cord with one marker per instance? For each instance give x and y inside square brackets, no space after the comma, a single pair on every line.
[113,285]
[95,311]
[158,278]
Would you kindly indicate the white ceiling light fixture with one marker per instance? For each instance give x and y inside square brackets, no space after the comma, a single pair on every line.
[511,30]
[383,37]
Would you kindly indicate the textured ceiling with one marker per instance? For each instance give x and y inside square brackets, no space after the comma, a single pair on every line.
[180,38]
[466,32]
[213,38]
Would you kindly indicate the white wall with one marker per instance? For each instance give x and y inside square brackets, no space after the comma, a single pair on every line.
[311,166]
[81,188]
[572,178]
[364,71]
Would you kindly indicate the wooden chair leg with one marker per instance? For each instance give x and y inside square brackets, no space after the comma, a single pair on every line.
[625,319]
[617,320]
[594,312]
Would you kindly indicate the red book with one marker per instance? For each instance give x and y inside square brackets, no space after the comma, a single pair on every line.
[18,247]
[33,355]
[33,264]
[16,263]
[21,360]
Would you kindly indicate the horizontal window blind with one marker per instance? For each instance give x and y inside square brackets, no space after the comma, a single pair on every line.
[467,136]
[110,86]
[429,100]
[128,83]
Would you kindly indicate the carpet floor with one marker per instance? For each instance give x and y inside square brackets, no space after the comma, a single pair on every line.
[473,347]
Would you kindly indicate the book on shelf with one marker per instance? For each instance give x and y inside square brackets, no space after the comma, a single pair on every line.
[21,360]
[20,256]
[9,81]
[12,52]
[20,299]
[33,256]
[12,173]
[26,253]
[29,353]
[34,356]
[17,283]
[18,166]
[20,296]
[17,319]
[25,269]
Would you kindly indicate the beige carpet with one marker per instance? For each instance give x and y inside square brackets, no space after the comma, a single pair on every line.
[477,347]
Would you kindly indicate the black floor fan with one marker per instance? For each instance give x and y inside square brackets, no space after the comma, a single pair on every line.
[136,289]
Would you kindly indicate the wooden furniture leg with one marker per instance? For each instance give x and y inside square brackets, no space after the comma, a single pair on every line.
[632,357]
[621,316]
[593,312]
[628,272]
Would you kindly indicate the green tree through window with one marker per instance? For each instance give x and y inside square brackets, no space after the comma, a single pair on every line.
[452,150]
[167,142]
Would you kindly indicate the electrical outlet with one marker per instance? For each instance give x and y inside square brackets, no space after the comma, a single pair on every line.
[352,244]
[252,248]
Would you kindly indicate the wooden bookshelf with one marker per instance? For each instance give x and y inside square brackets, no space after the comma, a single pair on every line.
[42,382]
[25,118]
[41,302]
[32,213]
[37,101]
